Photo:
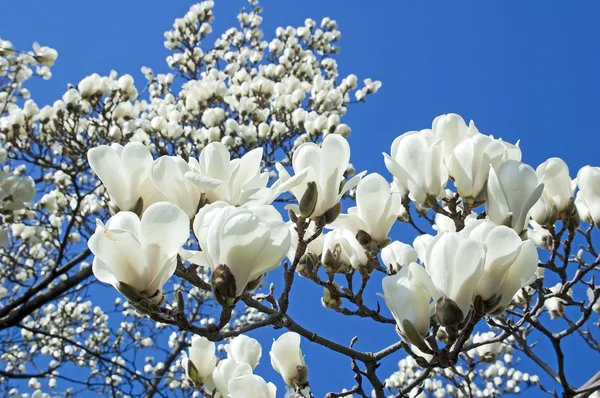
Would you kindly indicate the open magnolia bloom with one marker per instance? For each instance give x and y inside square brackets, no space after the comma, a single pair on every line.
[124,172]
[376,209]
[16,192]
[588,197]
[342,251]
[470,163]
[167,175]
[239,245]
[231,180]
[510,263]
[557,197]
[244,349]
[200,364]
[397,255]
[408,295]
[287,359]
[417,162]
[455,264]
[226,370]
[251,386]
[138,256]
[324,165]
[511,193]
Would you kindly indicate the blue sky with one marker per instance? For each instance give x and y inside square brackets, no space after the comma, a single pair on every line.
[521,70]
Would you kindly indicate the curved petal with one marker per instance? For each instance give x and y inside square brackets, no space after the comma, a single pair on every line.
[520,273]
[164,230]
[136,161]
[107,165]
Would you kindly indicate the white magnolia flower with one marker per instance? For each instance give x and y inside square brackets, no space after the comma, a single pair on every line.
[325,165]
[470,163]
[485,350]
[231,180]
[418,165]
[540,236]
[590,296]
[556,305]
[287,359]
[455,264]
[202,360]
[251,386]
[226,370]
[239,245]
[341,250]
[558,191]
[124,173]
[244,349]
[451,129]
[140,253]
[45,55]
[510,263]
[397,255]
[408,294]
[167,175]
[511,193]
[588,197]
[376,209]
[16,192]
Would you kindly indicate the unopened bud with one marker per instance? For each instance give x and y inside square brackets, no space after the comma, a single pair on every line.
[331,214]
[292,215]
[301,376]
[363,238]
[411,333]
[448,313]
[307,264]
[129,292]
[309,199]
[223,285]
[331,300]
[193,373]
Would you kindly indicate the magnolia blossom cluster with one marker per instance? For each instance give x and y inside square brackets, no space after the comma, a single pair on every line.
[233,377]
[285,90]
[474,265]
[481,264]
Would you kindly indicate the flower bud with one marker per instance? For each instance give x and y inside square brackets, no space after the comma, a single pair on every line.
[292,215]
[223,285]
[307,264]
[331,300]
[309,199]
[363,238]
[331,214]
[448,313]
[129,292]
[411,333]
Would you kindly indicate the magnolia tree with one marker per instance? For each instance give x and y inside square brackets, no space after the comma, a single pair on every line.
[186,193]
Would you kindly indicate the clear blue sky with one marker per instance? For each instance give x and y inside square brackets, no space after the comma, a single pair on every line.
[521,70]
